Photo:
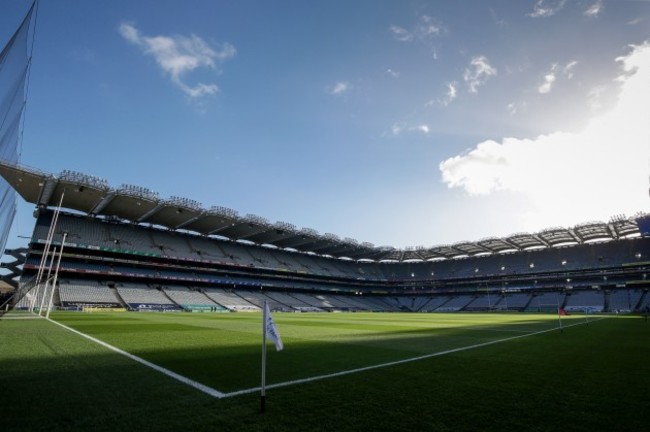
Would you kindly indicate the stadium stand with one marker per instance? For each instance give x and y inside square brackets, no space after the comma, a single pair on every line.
[517,301]
[172,255]
[81,293]
[644,303]
[434,303]
[484,302]
[293,281]
[455,304]
[407,304]
[624,300]
[192,300]
[591,301]
[258,298]
[145,298]
[546,302]
[230,300]
[290,301]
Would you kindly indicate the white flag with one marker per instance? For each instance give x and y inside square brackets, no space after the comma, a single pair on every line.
[271,330]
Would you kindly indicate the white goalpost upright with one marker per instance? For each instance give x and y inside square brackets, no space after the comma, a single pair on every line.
[56,276]
[38,291]
[47,282]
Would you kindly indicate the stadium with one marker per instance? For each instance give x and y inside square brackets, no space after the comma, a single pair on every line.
[127,310]
[127,248]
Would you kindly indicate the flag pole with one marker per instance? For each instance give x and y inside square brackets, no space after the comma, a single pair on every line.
[559,315]
[263,386]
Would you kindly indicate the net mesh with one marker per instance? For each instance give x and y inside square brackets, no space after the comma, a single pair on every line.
[14,69]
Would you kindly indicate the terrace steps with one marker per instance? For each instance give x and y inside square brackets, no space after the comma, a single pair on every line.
[118,296]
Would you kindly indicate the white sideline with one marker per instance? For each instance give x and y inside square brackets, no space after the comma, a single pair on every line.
[220,395]
[197,385]
[397,362]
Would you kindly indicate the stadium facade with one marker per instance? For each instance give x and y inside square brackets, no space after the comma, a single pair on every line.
[128,248]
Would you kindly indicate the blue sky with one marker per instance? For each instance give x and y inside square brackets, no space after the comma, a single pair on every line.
[399,123]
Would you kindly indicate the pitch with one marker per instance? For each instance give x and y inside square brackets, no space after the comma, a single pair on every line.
[337,372]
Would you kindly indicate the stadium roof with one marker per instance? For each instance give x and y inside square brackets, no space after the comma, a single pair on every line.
[93,196]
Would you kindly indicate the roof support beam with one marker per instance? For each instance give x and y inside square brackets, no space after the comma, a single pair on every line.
[103,203]
[47,190]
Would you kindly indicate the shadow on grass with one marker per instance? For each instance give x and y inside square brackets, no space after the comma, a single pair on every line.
[590,378]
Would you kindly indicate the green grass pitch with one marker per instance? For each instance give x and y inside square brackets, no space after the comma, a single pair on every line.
[593,376]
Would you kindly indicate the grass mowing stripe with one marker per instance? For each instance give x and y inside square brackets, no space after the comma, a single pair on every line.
[492,329]
[398,362]
[197,385]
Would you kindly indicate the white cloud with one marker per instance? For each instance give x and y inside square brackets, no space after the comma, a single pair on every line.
[339,88]
[515,108]
[397,129]
[452,92]
[594,9]
[477,73]
[569,177]
[450,95]
[595,96]
[546,8]
[425,28]
[179,55]
[401,34]
[392,73]
[549,79]
[568,69]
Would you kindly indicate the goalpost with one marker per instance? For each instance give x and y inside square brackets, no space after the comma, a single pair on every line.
[36,290]
[553,308]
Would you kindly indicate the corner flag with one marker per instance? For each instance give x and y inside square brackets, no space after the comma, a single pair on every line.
[270,329]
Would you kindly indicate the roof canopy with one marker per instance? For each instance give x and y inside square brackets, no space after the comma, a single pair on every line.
[135,204]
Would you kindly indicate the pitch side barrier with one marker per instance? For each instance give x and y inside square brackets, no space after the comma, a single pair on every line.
[148,307]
